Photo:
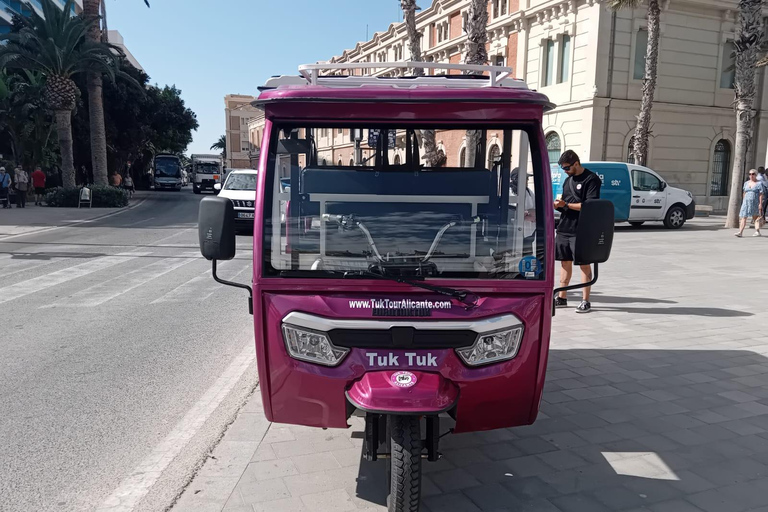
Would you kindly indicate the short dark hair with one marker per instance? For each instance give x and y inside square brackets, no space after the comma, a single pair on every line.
[569,157]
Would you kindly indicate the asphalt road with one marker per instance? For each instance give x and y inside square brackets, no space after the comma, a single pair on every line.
[111,331]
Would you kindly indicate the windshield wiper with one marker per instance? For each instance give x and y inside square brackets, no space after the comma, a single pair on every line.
[463,296]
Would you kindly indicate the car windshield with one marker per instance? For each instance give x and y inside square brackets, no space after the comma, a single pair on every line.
[375,199]
[207,168]
[240,181]
[167,167]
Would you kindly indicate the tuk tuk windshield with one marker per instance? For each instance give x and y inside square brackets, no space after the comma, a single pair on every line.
[412,202]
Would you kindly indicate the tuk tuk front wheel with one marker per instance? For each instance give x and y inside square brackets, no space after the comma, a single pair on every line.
[405,464]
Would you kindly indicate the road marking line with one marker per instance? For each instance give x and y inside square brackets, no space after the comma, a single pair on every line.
[190,292]
[137,485]
[30,286]
[75,222]
[112,288]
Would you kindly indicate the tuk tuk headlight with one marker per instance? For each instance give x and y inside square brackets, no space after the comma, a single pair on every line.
[493,347]
[312,346]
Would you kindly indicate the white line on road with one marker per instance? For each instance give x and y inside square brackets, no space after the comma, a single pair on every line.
[30,286]
[112,288]
[196,289]
[133,489]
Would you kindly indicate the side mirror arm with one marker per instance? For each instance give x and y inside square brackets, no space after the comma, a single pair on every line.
[236,285]
[575,287]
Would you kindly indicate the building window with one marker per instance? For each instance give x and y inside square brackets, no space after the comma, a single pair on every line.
[494,155]
[554,149]
[462,157]
[641,49]
[496,8]
[323,162]
[340,164]
[465,21]
[728,69]
[631,150]
[397,159]
[341,131]
[721,168]
[565,59]
[498,60]
[549,62]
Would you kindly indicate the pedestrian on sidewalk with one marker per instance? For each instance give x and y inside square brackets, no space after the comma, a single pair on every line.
[5,186]
[38,181]
[128,185]
[751,204]
[580,186]
[21,180]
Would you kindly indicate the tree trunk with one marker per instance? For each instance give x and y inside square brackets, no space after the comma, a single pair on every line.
[98,134]
[643,128]
[64,130]
[748,41]
[434,156]
[477,37]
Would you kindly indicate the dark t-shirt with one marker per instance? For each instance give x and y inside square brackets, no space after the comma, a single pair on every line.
[577,189]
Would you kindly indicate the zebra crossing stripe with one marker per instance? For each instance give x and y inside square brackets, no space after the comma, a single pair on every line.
[34,285]
[112,288]
[196,289]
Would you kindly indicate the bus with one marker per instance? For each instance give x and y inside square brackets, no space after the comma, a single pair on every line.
[166,172]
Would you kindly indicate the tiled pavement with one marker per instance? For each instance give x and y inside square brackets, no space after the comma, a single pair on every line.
[655,402]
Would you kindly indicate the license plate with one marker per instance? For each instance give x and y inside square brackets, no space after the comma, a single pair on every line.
[215,176]
[244,215]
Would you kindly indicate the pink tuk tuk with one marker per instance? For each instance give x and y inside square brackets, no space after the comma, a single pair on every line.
[403,262]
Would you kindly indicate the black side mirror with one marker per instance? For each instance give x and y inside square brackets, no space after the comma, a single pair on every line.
[662,186]
[594,236]
[216,228]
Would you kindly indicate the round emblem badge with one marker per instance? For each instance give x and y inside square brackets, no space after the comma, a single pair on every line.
[578,187]
[403,379]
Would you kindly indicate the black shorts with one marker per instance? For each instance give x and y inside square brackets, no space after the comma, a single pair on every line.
[565,247]
[40,191]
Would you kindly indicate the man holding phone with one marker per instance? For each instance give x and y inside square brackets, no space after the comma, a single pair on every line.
[580,186]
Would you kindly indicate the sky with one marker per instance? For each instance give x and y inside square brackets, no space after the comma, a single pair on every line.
[211,48]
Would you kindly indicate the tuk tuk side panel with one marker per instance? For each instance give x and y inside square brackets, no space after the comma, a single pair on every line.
[494,396]
[545,313]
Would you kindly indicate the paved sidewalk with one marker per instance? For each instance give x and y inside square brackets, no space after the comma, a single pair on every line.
[655,402]
[34,219]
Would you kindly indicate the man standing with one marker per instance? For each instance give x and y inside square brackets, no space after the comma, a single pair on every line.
[580,186]
[38,181]
[21,181]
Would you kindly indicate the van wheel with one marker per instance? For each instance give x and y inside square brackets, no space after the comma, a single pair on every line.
[675,218]
[405,464]
[637,224]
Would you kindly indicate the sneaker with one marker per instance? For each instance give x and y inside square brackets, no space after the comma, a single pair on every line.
[561,302]
[738,235]
[757,233]
[584,307]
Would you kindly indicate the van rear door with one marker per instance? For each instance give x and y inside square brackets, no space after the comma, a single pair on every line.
[616,186]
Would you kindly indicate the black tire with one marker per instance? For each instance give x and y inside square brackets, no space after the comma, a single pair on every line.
[195,189]
[637,224]
[405,464]
[675,217]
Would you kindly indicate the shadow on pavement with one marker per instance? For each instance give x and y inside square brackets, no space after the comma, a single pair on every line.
[641,429]
[599,298]
[681,311]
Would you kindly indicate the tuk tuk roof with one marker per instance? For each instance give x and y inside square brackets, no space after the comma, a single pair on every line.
[488,84]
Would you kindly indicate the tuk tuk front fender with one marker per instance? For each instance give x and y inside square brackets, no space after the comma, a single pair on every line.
[403,392]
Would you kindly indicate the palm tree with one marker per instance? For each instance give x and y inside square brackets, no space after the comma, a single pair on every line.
[434,156]
[643,128]
[477,37]
[221,145]
[747,42]
[91,13]
[55,46]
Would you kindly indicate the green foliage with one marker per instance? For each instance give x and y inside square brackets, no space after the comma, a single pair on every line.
[55,45]
[138,124]
[103,197]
